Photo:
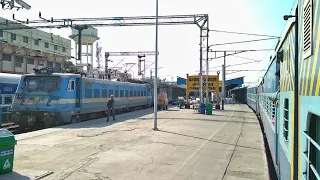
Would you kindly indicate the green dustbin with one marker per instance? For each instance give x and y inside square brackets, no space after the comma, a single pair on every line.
[209,109]
[7,144]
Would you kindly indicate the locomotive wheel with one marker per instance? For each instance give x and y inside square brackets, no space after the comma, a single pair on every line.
[73,119]
[48,121]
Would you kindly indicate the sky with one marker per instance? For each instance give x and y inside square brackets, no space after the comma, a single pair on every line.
[178,44]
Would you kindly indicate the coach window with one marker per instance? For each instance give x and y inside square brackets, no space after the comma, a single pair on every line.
[127,93]
[312,148]
[131,93]
[7,99]
[116,94]
[71,85]
[111,92]
[121,93]
[0,99]
[96,93]
[104,93]
[286,119]
[135,93]
[142,93]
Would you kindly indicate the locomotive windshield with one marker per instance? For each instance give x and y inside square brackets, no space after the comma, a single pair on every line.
[41,83]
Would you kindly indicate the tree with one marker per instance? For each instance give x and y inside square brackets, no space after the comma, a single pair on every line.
[67,64]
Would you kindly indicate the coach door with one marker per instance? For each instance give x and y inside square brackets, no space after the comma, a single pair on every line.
[78,93]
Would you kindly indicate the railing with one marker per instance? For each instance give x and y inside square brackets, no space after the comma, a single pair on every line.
[306,156]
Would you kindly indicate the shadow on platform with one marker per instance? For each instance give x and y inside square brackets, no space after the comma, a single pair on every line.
[14,176]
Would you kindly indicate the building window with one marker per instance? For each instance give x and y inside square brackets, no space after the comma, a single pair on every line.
[307,28]
[18,61]
[13,36]
[63,49]
[58,66]
[40,62]
[50,64]
[30,61]
[55,47]
[6,57]
[25,39]
[36,42]
[286,119]
[1,33]
[46,45]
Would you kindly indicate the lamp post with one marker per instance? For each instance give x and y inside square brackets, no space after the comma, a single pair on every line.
[156,73]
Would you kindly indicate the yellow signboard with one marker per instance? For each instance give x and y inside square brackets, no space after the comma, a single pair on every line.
[193,83]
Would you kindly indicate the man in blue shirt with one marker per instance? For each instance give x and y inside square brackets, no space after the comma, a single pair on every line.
[111,108]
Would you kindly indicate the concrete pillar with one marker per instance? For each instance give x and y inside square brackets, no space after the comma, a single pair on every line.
[13,62]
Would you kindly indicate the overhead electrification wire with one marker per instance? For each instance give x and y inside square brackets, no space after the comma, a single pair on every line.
[255,60]
[250,34]
[238,42]
[241,51]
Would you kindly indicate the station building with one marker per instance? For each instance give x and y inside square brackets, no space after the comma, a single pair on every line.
[25,49]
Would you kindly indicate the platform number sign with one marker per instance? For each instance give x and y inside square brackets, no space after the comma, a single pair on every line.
[6,165]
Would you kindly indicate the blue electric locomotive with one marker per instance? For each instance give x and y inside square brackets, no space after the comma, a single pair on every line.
[8,87]
[50,99]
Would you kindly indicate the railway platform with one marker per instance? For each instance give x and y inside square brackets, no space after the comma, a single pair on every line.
[226,145]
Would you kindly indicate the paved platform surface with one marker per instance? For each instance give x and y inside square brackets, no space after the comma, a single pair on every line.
[227,145]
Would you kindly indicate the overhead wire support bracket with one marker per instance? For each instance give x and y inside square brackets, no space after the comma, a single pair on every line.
[40,16]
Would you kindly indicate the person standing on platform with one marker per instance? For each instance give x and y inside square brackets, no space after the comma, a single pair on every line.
[111,108]
[233,98]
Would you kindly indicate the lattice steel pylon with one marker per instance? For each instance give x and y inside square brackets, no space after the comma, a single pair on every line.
[201,20]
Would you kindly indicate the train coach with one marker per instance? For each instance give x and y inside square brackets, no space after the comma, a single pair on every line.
[287,99]
[49,99]
[8,87]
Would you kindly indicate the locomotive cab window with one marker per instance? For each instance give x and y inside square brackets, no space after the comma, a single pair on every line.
[71,85]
